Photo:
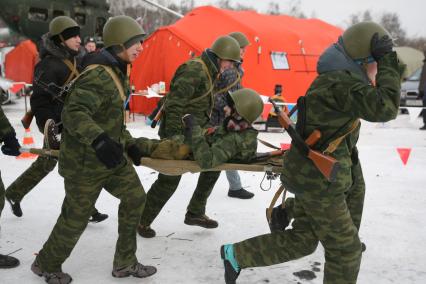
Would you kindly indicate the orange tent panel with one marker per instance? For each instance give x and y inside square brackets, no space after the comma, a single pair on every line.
[303,40]
[20,62]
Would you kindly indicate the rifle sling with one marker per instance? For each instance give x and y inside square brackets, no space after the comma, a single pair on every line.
[113,75]
[210,89]
[73,68]
[332,146]
[274,199]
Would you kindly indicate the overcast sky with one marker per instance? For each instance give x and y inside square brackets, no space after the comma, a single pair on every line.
[412,13]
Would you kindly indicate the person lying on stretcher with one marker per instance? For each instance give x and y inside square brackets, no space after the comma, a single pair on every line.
[234,141]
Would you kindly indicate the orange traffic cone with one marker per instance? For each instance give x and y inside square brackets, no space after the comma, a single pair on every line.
[28,142]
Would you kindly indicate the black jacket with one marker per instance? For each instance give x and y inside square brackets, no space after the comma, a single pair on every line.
[50,69]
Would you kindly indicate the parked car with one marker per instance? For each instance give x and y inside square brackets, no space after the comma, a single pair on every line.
[410,90]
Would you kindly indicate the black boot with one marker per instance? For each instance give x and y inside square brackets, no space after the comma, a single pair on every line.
[98,217]
[136,270]
[240,193]
[16,207]
[231,274]
[52,138]
[146,231]
[8,261]
[200,220]
[58,277]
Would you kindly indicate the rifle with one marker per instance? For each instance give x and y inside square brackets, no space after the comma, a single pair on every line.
[327,165]
[29,115]
[157,117]
[54,90]
[57,92]
[27,119]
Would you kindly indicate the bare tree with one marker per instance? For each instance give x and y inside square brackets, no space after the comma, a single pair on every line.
[273,8]
[360,17]
[390,21]
[225,4]
[294,9]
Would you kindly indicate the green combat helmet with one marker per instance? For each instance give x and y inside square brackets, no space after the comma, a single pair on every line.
[241,38]
[357,39]
[60,24]
[226,48]
[247,103]
[122,31]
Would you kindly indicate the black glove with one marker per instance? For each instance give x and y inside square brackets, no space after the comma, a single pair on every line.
[279,219]
[188,123]
[109,152]
[380,46]
[11,145]
[135,154]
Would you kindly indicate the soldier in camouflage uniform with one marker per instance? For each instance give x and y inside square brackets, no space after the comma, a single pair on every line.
[92,156]
[57,67]
[230,81]
[191,91]
[10,147]
[235,140]
[336,100]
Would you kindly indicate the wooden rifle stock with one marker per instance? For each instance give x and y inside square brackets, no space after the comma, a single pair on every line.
[327,165]
[27,119]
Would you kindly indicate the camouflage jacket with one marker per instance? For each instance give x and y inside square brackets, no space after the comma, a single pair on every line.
[223,146]
[188,87]
[5,126]
[93,106]
[339,95]
[226,78]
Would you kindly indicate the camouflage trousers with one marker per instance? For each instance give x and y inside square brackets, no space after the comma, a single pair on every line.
[39,169]
[164,187]
[330,218]
[1,195]
[81,195]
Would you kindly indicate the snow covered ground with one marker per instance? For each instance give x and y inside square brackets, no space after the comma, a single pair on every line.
[393,227]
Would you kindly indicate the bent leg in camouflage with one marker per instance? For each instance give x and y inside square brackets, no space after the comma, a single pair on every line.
[157,196]
[206,182]
[126,186]
[78,204]
[318,217]
[41,167]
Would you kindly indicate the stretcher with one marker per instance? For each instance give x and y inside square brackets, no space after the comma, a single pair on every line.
[180,167]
